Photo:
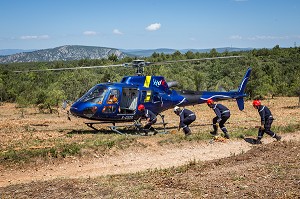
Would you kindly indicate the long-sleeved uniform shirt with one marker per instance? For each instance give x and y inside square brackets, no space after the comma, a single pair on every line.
[149,114]
[221,110]
[265,114]
[184,114]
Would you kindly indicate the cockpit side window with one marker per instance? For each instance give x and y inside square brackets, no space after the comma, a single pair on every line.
[113,97]
[112,100]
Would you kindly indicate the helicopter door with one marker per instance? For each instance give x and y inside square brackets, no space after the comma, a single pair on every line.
[156,98]
[129,100]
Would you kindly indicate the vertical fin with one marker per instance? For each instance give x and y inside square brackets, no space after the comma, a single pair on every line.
[244,82]
[240,103]
[241,90]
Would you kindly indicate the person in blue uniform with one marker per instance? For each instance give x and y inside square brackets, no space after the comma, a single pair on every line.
[150,118]
[222,115]
[186,118]
[266,122]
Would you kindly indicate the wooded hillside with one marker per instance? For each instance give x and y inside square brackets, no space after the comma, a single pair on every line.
[276,72]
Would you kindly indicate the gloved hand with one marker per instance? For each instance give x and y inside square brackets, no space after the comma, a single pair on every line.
[219,120]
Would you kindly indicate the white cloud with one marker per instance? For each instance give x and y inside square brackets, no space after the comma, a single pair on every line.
[89,33]
[264,37]
[30,37]
[153,27]
[237,37]
[259,37]
[117,32]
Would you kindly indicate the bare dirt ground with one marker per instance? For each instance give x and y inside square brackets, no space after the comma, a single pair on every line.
[26,128]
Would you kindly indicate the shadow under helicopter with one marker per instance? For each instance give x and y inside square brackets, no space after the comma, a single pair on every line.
[131,130]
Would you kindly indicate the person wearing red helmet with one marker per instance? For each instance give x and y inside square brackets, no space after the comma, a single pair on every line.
[222,115]
[266,121]
[150,118]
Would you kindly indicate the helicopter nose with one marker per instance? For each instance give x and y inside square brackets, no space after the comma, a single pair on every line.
[74,110]
[83,110]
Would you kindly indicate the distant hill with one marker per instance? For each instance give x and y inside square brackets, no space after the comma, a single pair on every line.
[63,53]
[77,52]
[149,52]
[13,51]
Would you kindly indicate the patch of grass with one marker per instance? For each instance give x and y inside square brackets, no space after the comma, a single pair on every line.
[287,129]
[70,149]
[278,171]
[62,149]
[238,178]
[20,152]
[179,138]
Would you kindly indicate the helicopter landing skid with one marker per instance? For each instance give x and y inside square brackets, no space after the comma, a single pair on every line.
[137,125]
[114,128]
[90,124]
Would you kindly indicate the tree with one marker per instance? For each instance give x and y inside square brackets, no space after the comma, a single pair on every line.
[213,53]
[113,57]
[190,55]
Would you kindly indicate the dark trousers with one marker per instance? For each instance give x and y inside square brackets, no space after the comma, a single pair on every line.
[148,126]
[224,118]
[267,129]
[186,122]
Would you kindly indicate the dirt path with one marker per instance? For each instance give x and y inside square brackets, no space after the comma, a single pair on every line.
[133,161]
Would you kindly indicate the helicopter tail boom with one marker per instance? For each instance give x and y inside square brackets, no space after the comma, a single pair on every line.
[198,97]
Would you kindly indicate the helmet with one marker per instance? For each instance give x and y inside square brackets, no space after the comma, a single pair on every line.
[210,101]
[256,103]
[176,109]
[141,107]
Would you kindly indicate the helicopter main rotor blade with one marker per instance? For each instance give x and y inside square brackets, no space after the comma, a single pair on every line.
[127,64]
[189,60]
[72,68]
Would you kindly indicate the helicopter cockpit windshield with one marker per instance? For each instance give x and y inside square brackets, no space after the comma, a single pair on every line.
[95,95]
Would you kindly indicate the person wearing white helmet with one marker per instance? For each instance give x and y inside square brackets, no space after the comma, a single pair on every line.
[186,118]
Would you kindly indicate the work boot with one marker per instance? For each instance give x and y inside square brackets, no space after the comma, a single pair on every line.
[257,141]
[214,133]
[188,134]
[277,137]
[146,132]
[226,135]
[155,132]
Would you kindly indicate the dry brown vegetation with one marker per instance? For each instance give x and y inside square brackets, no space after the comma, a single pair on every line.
[162,166]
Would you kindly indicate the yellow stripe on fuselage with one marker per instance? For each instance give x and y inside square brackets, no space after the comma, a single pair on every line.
[147,81]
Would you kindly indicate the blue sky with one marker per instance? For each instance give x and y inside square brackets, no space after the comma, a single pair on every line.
[149,24]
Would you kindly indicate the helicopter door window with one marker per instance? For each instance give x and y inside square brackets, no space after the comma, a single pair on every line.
[129,100]
[156,98]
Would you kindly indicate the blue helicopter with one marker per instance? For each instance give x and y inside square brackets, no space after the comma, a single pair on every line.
[118,102]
